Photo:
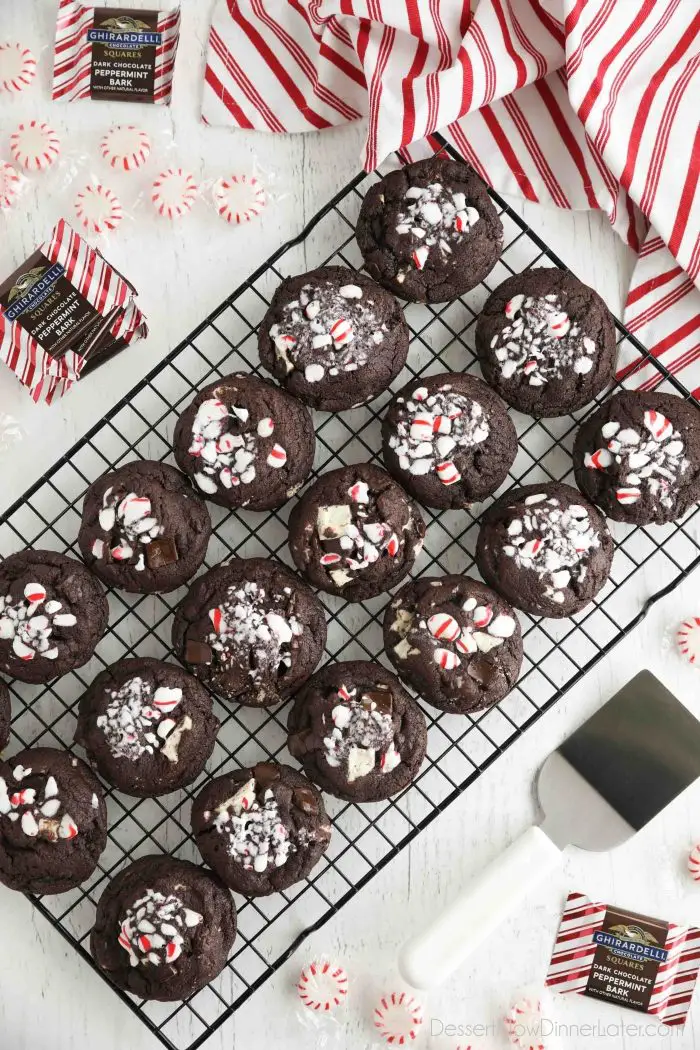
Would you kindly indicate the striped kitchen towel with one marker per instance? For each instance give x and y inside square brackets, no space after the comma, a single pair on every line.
[576,103]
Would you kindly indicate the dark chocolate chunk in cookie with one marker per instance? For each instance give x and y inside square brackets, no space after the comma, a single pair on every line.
[147,726]
[251,630]
[448,440]
[350,743]
[429,232]
[355,532]
[545,549]
[546,342]
[144,529]
[334,338]
[245,443]
[163,929]
[53,613]
[638,457]
[455,641]
[261,829]
[53,821]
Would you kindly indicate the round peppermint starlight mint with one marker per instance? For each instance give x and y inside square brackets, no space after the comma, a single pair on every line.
[545,549]
[35,145]
[238,198]
[10,183]
[323,986]
[163,929]
[174,193]
[126,147]
[694,862]
[688,639]
[523,1024]
[638,457]
[546,342]
[398,1017]
[98,208]
[17,67]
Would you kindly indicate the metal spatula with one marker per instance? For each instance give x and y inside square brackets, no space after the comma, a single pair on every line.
[611,777]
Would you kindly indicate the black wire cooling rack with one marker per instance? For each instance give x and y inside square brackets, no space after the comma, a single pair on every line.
[648,563]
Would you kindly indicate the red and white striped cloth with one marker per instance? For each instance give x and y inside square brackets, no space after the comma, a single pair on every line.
[102,286]
[575,948]
[577,103]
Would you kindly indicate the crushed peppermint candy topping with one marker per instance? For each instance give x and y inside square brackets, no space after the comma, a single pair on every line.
[154,928]
[30,622]
[353,535]
[433,216]
[432,429]
[362,733]
[457,635]
[129,524]
[553,541]
[541,342]
[250,631]
[653,459]
[38,810]
[328,330]
[227,446]
[257,837]
[139,721]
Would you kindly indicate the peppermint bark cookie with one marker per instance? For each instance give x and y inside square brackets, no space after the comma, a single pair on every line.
[5,716]
[261,829]
[448,440]
[638,457]
[545,549]
[455,641]
[250,630]
[53,613]
[355,532]
[357,732]
[245,443]
[147,726]
[53,821]
[163,929]
[429,232]
[546,342]
[144,529]
[333,338]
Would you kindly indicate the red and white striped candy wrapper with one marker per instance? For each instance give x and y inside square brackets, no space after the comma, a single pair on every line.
[35,145]
[174,193]
[126,147]
[17,67]
[10,183]
[398,1018]
[323,986]
[238,198]
[524,1024]
[99,209]
[688,639]
[694,863]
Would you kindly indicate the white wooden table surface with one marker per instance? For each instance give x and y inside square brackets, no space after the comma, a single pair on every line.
[48,997]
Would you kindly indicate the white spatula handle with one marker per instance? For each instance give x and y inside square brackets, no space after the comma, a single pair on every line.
[429,958]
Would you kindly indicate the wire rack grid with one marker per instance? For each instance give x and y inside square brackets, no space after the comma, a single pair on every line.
[365,838]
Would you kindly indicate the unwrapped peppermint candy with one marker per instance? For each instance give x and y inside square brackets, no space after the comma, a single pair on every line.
[64,312]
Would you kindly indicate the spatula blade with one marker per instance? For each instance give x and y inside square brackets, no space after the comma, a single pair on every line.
[621,768]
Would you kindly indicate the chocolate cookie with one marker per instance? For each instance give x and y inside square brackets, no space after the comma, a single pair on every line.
[250,630]
[163,929]
[429,232]
[262,828]
[245,443]
[5,716]
[53,613]
[333,337]
[448,440]
[638,457]
[545,549]
[546,342]
[147,726]
[53,821]
[144,529]
[357,732]
[455,641]
[355,532]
